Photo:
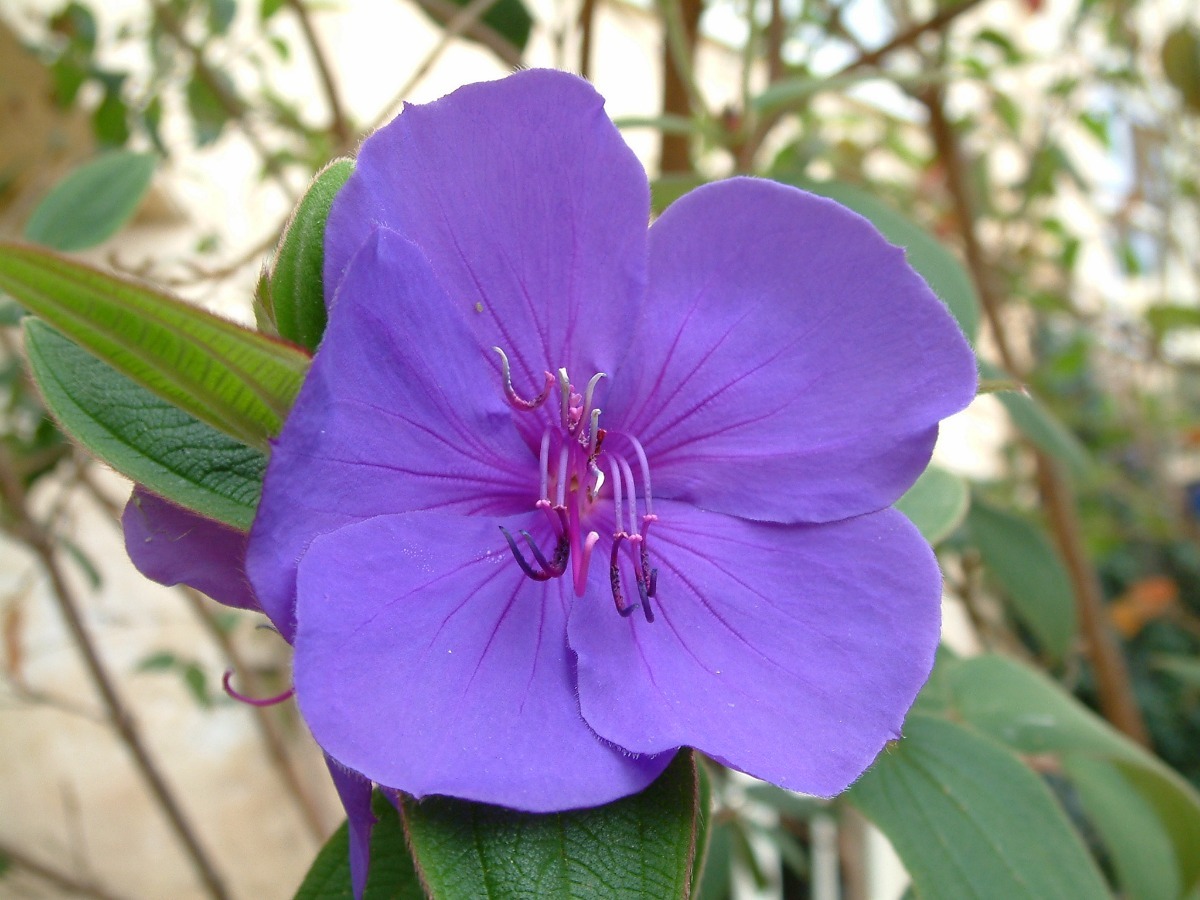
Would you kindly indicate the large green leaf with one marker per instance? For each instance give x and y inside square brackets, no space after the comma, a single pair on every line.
[92,203]
[925,253]
[936,504]
[639,847]
[1021,559]
[506,19]
[296,285]
[1031,714]
[968,819]
[142,436]
[238,381]
[392,876]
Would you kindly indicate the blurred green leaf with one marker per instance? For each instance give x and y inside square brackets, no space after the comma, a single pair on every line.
[638,847]
[1033,420]
[92,203]
[1181,63]
[220,15]
[110,120]
[936,504]
[158,662]
[296,286]
[1021,559]
[236,380]
[508,19]
[935,263]
[1129,827]
[208,113]
[142,436]
[1026,711]
[969,820]
[1167,317]
[1185,669]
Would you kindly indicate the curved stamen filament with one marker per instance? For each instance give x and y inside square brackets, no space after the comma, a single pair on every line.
[631,489]
[544,466]
[644,464]
[614,580]
[252,701]
[510,392]
[564,476]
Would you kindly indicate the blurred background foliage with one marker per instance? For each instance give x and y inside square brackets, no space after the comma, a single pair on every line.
[1039,159]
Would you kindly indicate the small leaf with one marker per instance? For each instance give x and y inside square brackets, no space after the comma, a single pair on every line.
[936,504]
[642,846]
[295,285]
[209,114]
[392,876]
[1026,566]
[236,380]
[92,203]
[969,820]
[925,253]
[141,436]
[158,662]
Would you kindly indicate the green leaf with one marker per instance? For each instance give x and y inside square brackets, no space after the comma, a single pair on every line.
[936,504]
[641,846]
[296,286]
[1038,424]
[92,203]
[1168,317]
[392,876]
[209,114]
[142,436]
[969,820]
[508,19]
[1026,566]
[238,381]
[1028,712]
[925,253]
[1129,827]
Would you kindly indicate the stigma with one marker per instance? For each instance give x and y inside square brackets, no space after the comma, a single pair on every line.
[581,465]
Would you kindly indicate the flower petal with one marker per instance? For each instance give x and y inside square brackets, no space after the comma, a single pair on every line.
[394,415]
[529,206]
[791,652]
[171,545]
[789,365]
[355,793]
[427,661]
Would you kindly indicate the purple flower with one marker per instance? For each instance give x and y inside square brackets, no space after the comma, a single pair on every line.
[561,495]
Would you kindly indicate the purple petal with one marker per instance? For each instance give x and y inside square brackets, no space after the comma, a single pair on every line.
[789,365]
[790,652]
[529,206]
[400,411]
[171,545]
[427,661]
[355,793]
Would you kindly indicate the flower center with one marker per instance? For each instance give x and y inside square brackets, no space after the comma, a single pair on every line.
[574,453]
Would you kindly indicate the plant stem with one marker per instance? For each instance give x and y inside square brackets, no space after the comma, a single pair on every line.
[337,114]
[681,27]
[1117,702]
[24,529]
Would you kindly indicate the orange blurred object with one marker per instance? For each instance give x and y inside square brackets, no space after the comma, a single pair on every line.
[1145,600]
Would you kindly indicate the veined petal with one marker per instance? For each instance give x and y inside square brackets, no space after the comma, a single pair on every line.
[789,365]
[171,545]
[400,411]
[427,661]
[529,206]
[791,652]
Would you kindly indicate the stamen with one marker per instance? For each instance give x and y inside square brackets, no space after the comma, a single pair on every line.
[583,561]
[563,475]
[242,698]
[614,581]
[594,433]
[617,506]
[513,397]
[644,464]
[631,489]
[597,480]
[587,396]
[520,558]
[544,465]
[564,387]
